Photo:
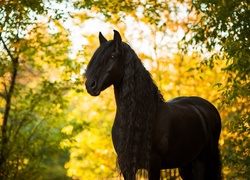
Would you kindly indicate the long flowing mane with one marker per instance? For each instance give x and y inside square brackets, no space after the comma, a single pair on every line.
[139,99]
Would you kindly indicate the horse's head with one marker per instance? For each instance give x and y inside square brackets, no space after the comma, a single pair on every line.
[106,66]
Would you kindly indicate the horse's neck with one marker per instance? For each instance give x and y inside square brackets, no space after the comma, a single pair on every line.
[140,92]
[119,101]
[118,94]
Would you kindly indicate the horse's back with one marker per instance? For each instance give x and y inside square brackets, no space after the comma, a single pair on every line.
[194,100]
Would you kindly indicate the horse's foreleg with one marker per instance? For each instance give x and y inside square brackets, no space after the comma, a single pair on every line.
[129,177]
[155,168]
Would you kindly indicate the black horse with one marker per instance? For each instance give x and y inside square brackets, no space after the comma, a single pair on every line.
[149,133]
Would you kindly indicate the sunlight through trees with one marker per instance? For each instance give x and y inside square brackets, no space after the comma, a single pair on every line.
[52,129]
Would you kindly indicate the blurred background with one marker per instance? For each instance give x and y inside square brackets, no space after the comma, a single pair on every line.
[50,128]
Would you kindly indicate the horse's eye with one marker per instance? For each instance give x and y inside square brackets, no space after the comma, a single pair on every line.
[112,56]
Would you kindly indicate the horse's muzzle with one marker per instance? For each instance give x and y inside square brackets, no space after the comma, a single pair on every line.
[91,86]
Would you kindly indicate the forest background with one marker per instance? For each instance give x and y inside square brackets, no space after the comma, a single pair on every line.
[52,129]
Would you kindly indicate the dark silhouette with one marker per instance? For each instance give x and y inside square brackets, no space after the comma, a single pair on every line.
[149,133]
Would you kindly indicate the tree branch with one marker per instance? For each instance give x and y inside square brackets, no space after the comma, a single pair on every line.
[6,48]
[9,93]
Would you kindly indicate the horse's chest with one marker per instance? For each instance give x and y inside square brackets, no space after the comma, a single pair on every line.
[117,134]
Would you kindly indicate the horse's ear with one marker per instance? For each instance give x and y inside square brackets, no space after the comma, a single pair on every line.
[117,37]
[117,40]
[102,39]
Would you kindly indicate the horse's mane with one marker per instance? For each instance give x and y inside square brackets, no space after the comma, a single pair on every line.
[139,104]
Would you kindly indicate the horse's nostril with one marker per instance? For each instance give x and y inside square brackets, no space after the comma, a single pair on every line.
[93,84]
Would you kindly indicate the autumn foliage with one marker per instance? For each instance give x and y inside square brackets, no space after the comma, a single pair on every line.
[52,129]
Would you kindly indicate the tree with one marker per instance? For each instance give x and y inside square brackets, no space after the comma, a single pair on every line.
[35,76]
[225,25]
